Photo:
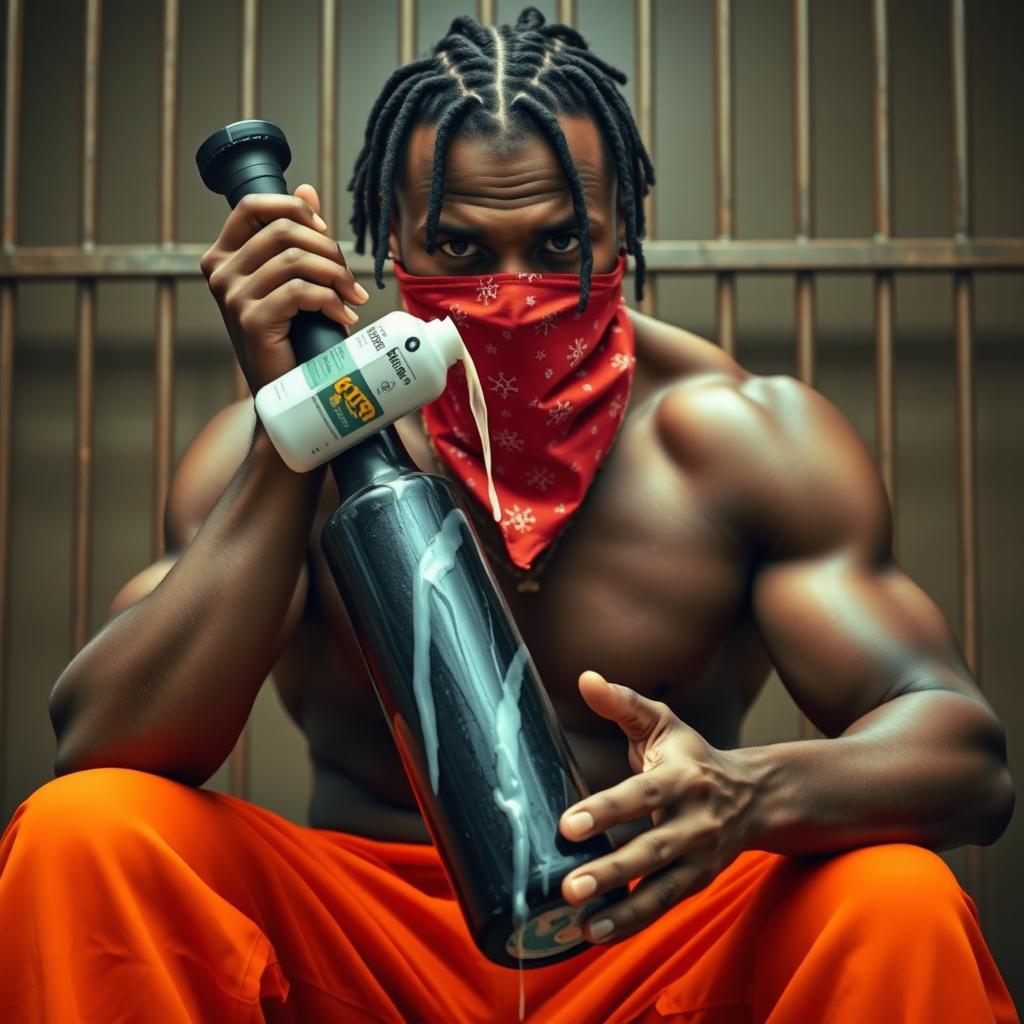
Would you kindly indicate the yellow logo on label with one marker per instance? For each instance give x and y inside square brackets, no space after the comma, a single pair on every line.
[355,400]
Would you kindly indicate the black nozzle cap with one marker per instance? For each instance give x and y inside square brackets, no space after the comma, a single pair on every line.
[246,156]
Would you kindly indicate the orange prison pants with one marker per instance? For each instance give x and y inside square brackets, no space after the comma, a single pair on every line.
[126,897]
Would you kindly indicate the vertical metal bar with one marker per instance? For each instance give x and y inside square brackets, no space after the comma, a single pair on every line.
[85,345]
[565,12]
[885,393]
[486,11]
[725,284]
[803,218]
[406,31]
[248,86]
[8,297]
[803,186]
[163,411]
[963,317]
[643,16]
[328,186]
[249,63]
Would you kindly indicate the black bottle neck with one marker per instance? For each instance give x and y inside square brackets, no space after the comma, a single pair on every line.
[375,460]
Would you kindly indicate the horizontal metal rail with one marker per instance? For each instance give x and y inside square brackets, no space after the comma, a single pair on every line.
[665,256]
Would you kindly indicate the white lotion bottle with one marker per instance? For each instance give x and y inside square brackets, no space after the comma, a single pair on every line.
[364,383]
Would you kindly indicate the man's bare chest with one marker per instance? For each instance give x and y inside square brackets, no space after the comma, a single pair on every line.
[644,586]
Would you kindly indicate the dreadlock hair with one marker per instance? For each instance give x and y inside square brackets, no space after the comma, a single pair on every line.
[502,82]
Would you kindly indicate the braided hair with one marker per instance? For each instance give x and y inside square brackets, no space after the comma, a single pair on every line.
[500,82]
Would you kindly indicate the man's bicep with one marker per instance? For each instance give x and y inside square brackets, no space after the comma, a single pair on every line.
[199,480]
[846,636]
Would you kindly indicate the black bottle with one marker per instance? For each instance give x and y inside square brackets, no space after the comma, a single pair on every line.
[475,729]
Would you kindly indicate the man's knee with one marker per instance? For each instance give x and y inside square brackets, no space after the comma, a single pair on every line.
[94,805]
[896,889]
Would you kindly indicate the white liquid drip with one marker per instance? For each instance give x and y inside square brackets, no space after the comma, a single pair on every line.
[501,718]
[506,796]
[479,409]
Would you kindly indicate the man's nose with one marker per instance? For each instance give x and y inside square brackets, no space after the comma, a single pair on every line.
[514,263]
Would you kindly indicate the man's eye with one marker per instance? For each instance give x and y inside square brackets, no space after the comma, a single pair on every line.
[562,243]
[458,247]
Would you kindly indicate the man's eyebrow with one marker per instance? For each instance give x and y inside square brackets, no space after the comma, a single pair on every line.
[444,228]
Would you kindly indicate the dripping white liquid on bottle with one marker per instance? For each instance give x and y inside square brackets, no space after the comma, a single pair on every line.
[490,699]
[478,407]
[502,716]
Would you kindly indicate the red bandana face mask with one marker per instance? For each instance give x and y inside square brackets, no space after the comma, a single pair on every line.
[556,382]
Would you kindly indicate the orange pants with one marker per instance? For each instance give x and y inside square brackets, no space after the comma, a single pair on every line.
[125,897]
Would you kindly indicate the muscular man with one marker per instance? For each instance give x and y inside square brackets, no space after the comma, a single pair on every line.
[731,522]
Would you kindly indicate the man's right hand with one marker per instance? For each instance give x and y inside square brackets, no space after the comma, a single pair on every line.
[273,258]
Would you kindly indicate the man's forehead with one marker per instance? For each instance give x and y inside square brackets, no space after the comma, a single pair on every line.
[495,172]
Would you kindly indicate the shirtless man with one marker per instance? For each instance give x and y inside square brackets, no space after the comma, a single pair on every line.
[737,523]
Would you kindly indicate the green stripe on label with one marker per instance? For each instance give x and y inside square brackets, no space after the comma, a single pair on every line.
[328,366]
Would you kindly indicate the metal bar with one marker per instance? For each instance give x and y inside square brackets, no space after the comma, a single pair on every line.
[565,12]
[961,128]
[248,98]
[163,410]
[248,83]
[885,392]
[8,322]
[85,343]
[803,186]
[12,124]
[725,284]
[732,256]
[643,16]
[486,11]
[328,186]
[406,31]
[803,222]
[963,316]
[238,760]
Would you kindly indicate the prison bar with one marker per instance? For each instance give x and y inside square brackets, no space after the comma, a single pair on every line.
[406,31]
[85,344]
[248,95]
[643,20]
[8,239]
[885,394]
[486,12]
[963,326]
[725,282]
[248,86]
[803,222]
[565,12]
[803,187]
[166,294]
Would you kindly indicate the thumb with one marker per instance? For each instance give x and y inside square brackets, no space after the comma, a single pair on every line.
[636,715]
[309,195]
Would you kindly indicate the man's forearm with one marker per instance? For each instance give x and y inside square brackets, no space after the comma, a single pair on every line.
[167,685]
[926,768]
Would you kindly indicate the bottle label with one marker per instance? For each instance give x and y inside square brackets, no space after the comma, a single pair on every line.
[348,403]
[351,378]
[550,932]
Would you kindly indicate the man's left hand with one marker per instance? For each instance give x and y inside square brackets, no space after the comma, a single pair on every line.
[698,800]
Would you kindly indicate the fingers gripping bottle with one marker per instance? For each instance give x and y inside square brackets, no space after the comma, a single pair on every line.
[483,749]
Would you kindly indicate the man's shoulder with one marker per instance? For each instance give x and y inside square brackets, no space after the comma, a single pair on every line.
[775,454]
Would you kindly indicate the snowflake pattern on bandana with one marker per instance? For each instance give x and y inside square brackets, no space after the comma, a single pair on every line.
[486,291]
[553,411]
